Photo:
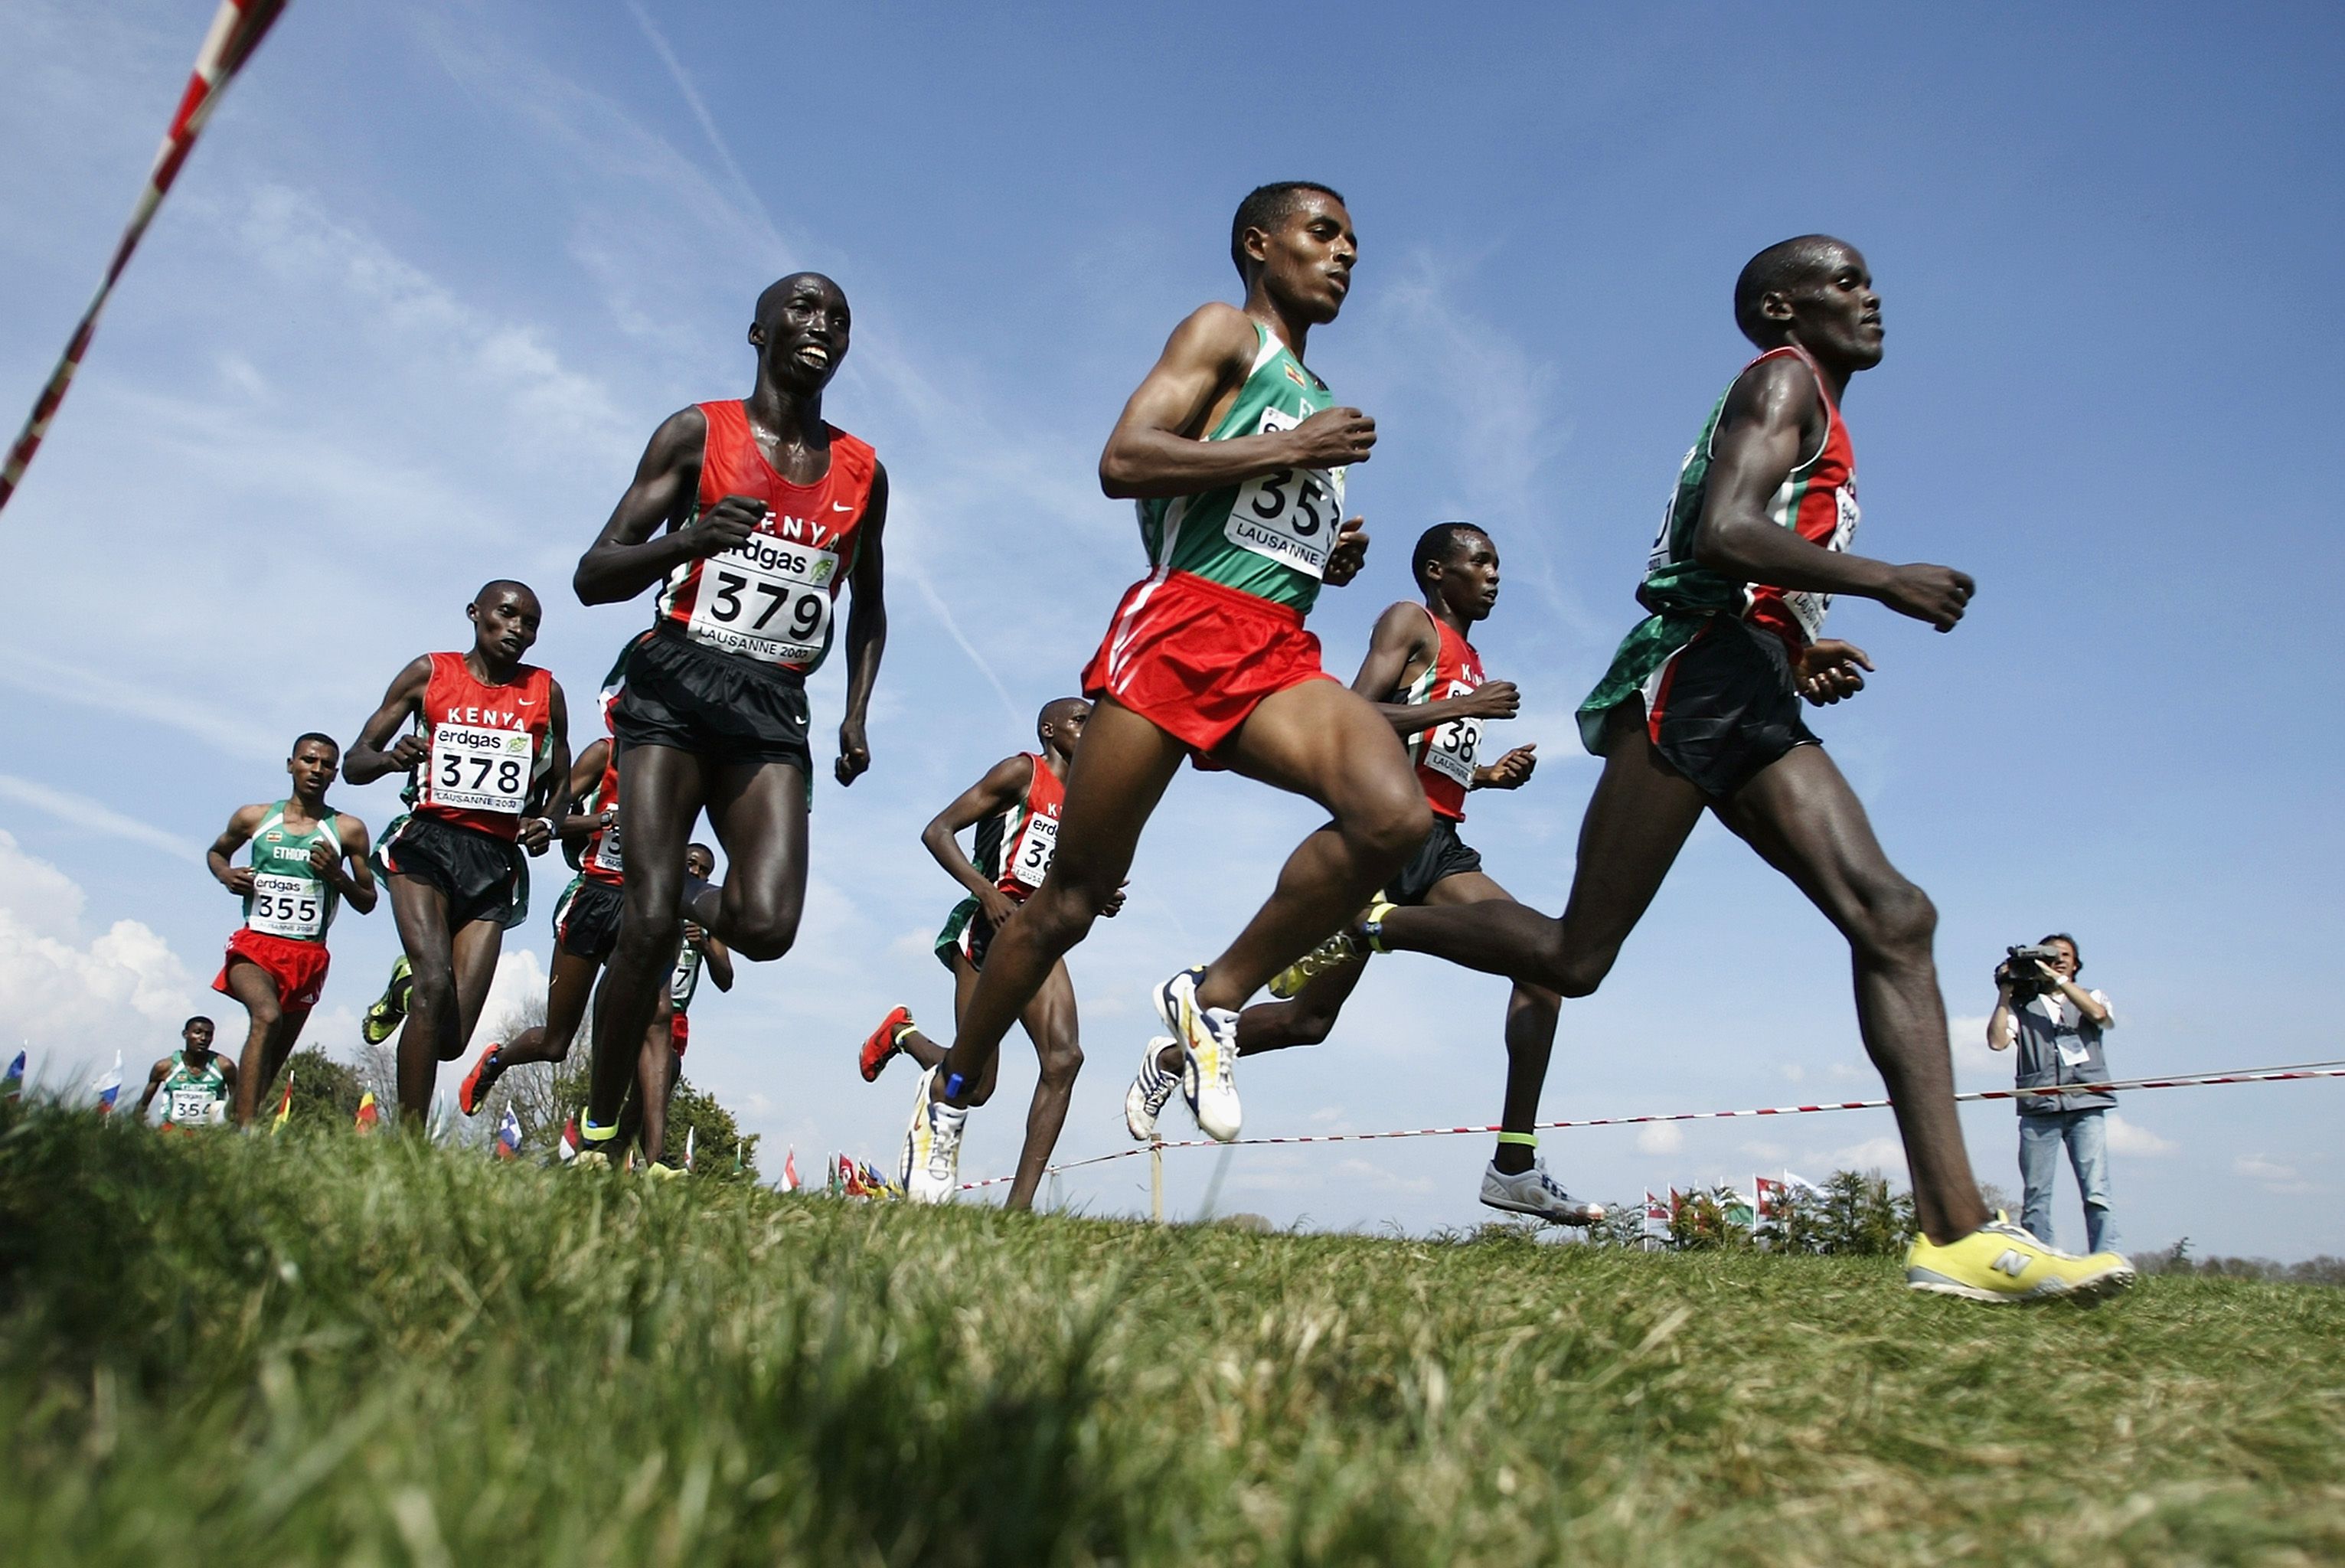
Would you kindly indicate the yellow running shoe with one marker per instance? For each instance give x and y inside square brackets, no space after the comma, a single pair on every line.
[382,1015]
[1337,951]
[2000,1262]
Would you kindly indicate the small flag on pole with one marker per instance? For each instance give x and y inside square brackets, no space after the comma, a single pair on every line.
[367,1116]
[106,1085]
[790,1167]
[236,30]
[689,1132]
[1775,1197]
[508,1135]
[284,1106]
[565,1148]
[1656,1213]
[12,1086]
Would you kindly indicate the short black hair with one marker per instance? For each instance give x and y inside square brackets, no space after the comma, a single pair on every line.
[1782,265]
[703,850]
[307,736]
[1265,205]
[489,589]
[2063,936]
[199,1018]
[1439,543]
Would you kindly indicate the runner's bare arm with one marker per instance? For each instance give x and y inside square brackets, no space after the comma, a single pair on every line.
[537,830]
[719,960]
[1159,447]
[154,1082]
[866,631]
[585,777]
[1398,649]
[632,553]
[1511,771]
[369,759]
[1004,785]
[241,825]
[228,1076]
[1761,431]
[358,888]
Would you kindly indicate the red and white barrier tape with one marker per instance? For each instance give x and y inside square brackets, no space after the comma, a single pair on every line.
[2188,1081]
[235,32]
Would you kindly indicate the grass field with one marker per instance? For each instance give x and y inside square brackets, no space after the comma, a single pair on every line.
[365,1350]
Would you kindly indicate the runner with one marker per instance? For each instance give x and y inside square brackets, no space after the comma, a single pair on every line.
[1700,711]
[1235,452]
[490,764]
[586,924]
[754,512]
[197,1083]
[1015,810]
[660,1061]
[277,960]
[1427,678]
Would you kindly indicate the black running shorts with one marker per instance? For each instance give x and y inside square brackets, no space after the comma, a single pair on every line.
[481,875]
[722,707]
[1725,707]
[586,921]
[1442,855]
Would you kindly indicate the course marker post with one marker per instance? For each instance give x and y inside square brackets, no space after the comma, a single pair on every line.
[1156,1180]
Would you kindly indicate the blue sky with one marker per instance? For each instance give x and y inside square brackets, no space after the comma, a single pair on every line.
[438,268]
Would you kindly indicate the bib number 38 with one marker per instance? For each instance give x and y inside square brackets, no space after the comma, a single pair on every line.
[1035,847]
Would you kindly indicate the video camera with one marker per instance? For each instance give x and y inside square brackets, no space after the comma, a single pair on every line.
[2018,969]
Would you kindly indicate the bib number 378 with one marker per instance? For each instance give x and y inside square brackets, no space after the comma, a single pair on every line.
[476,769]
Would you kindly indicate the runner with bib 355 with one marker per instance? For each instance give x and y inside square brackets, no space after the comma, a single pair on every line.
[307,858]
[1237,455]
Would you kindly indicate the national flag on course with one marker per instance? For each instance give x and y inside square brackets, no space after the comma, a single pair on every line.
[284,1106]
[790,1167]
[565,1148]
[1735,1208]
[688,1131]
[1656,1213]
[235,31]
[508,1135]
[368,1116]
[1774,1198]
[12,1085]
[1676,1202]
[106,1085]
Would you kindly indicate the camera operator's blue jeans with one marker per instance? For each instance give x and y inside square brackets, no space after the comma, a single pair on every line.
[2085,1135]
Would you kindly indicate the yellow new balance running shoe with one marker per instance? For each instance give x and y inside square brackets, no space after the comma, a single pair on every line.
[382,1015]
[2000,1262]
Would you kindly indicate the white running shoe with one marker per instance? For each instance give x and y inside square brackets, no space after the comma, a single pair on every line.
[1145,1101]
[930,1168]
[1208,1037]
[1535,1192]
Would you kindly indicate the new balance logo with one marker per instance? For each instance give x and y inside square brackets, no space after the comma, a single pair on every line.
[2014,1262]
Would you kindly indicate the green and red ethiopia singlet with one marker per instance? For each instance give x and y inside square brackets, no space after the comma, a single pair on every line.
[1269,536]
[1817,500]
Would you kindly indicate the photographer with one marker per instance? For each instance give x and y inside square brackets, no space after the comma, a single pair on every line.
[2059,1026]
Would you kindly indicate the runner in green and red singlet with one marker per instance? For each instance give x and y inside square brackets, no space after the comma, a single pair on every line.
[1236,454]
[1700,712]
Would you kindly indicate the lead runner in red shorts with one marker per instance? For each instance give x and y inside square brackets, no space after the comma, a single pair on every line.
[1236,454]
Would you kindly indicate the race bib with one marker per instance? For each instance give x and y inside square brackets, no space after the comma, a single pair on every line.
[2072,1053]
[685,977]
[766,598]
[606,850]
[476,769]
[189,1107]
[1809,608]
[1035,845]
[1292,515]
[286,906]
[1450,750]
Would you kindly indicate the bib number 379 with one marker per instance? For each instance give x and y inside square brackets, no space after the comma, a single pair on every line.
[768,599]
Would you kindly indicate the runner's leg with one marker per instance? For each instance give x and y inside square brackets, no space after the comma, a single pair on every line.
[655,1075]
[279,1048]
[1320,741]
[250,984]
[476,948]
[1049,1021]
[430,1031]
[1118,776]
[567,991]
[1800,814]
[760,817]
[661,790]
[1531,1013]
[1306,1020]
[1637,821]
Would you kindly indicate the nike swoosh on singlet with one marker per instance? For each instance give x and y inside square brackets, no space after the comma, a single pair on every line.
[836,506]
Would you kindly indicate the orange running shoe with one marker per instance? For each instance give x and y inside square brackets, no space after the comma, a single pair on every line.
[477,1082]
[882,1044]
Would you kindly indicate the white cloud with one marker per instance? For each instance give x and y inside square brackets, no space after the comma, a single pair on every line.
[74,999]
[1967,1035]
[2132,1138]
[520,982]
[1883,1154]
[2257,1167]
[1660,1138]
